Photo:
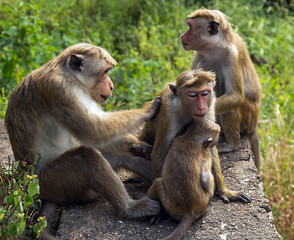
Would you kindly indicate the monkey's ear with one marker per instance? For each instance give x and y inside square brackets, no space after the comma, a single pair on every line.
[76,62]
[213,27]
[172,87]
[207,143]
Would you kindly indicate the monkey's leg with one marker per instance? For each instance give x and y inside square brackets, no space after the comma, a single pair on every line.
[225,194]
[157,192]
[230,124]
[81,175]
[138,165]
[153,191]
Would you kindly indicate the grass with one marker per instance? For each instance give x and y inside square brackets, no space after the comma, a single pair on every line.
[277,171]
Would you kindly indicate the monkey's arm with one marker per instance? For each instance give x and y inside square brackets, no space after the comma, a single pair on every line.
[231,81]
[97,128]
[225,194]
[159,152]
[136,147]
[233,86]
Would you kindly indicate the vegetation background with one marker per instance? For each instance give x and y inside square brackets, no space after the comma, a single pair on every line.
[144,37]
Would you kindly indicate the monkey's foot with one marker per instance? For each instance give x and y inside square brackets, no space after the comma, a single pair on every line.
[154,220]
[224,148]
[229,195]
[142,208]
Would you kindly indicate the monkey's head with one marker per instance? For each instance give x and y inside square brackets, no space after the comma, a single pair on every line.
[207,29]
[90,65]
[195,90]
[211,136]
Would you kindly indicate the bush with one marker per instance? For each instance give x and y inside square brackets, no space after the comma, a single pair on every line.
[20,203]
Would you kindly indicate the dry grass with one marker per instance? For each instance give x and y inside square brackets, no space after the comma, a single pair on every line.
[277,146]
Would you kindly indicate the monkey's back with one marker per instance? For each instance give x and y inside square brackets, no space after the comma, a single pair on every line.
[181,178]
[20,119]
[34,99]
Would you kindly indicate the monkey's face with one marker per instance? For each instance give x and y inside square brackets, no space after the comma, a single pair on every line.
[187,37]
[92,71]
[200,35]
[103,88]
[197,102]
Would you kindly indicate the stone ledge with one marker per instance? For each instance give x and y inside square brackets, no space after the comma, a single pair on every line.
[233,221]
[222,221]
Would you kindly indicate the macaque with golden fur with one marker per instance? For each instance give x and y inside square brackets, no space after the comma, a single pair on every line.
[58,102]
[192,97]
[187,183]
[238,90]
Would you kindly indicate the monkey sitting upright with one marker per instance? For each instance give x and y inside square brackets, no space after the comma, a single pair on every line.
[187,183]
[238,90]
[192,97]
[58,102]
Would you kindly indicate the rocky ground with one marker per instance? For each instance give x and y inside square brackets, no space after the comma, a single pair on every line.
[97,220]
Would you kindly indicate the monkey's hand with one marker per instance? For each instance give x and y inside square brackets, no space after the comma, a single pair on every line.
[153,107]
[228,195]
[141,149]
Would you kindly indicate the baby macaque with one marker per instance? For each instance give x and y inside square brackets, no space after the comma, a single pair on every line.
[187,183]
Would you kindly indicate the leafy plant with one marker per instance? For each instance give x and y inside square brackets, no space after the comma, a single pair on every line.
[3,103]
[20,203]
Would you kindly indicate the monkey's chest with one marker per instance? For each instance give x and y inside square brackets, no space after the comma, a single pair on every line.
[52,140]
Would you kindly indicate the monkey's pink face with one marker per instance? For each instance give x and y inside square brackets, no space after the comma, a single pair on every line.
[195,38]
[186,36]
[104,87]
[199,100]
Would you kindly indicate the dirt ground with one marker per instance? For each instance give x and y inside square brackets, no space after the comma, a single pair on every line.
[97,220]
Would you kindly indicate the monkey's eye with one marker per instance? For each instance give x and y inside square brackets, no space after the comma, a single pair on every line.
[204,93]
[192,94]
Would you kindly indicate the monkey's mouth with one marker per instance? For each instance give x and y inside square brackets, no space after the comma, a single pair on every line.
[199,115]
[104,97]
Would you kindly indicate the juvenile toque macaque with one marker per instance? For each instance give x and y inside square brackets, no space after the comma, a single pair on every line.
[238,90]
[58,102]
[192,97]
[187,183]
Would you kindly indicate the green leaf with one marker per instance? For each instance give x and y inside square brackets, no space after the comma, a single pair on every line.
[28,200]
[34,187]
[12,229]
[9,200]
[21,227]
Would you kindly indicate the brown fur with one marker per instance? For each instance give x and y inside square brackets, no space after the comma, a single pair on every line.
[175,113]
[187,182]
[56,103]
[238,89]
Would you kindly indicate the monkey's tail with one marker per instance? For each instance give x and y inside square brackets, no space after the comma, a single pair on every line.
[183,227]
[254,143]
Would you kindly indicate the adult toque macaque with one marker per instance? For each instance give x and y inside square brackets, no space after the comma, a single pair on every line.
[192,97]
[56,103]
[238,90]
